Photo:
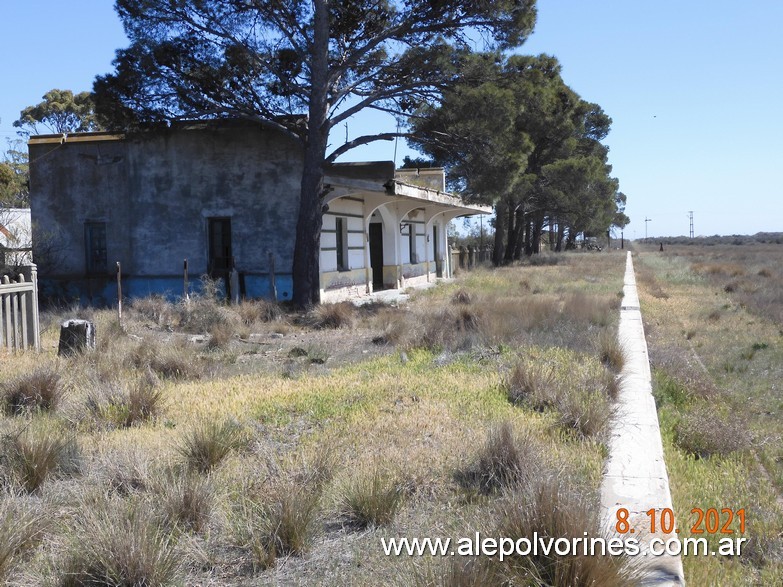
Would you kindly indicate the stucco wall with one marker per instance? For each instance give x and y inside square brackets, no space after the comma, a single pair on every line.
[155,192]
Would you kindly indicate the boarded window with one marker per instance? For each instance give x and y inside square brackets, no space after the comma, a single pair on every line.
[95,247]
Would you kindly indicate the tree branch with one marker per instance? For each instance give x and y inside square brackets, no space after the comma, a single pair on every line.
[363,140]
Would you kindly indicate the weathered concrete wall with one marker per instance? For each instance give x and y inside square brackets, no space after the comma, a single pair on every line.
[156,191]
[433,177]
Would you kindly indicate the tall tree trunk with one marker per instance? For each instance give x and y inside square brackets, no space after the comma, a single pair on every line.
[519,245]
[500,234]
[513,231]
[538,227]
[552,239]
[560,235]
[306,268]
[528,236]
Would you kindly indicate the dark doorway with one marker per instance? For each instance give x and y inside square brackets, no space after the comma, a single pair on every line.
[376,254]
[220,258]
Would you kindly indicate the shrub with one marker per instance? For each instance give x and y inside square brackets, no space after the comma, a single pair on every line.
[184,501]
[703,431]
[21,528]
[170,361]
[370,500]
[32,455]
[125,404]
[460,572]
[585,410]
[220,335]
[207,443]
[282,524]
[610,351]
[549,507]
[202,312]
[505,461]
[119,545]
[155,308]
[252,312]
[339,315]
[39,390]
[532,382]
[461,297]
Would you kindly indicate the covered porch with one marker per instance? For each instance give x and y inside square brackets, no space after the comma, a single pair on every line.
[380,233]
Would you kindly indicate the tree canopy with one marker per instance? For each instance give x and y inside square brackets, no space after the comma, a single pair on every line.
[302,67]
[14,177]
[521,139]
[61,111]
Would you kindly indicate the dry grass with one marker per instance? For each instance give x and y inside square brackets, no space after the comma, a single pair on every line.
[208,442]
[40,390]
[370,499]
[185,501]
[220,336]
[277,524]
[31,455]
[610,351]
[122,403]
[704,431]
[229,500]
[532,383]
[459,572]
[551,508]
[119,544]
[257,311]
[170,361]
[506,460]
[579,392]
[22,526]
[338,315]
[715,394]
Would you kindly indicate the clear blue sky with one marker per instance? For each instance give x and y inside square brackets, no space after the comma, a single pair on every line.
[694,88]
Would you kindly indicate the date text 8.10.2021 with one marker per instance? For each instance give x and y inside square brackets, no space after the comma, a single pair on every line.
[709,521]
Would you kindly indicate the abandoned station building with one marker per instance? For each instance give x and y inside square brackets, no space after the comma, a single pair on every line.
[225,194]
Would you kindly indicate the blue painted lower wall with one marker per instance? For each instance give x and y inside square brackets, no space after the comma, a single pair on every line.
[102,292]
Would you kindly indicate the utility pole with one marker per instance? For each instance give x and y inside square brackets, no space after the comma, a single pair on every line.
[690,215]
[646,220]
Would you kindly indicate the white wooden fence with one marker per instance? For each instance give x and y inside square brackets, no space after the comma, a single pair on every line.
[19,327]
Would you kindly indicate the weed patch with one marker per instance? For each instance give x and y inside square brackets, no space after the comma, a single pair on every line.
[21,529]
[208,442]
[505,461]
[118,544]
[40,390]
[704,431]
[281,523]
[33,454]
[370,499]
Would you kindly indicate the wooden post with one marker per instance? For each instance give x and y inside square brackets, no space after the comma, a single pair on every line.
[272,280]
[185,293]
[119,292]
[35,317]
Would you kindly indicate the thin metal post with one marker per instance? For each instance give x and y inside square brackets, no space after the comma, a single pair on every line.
[119,292]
